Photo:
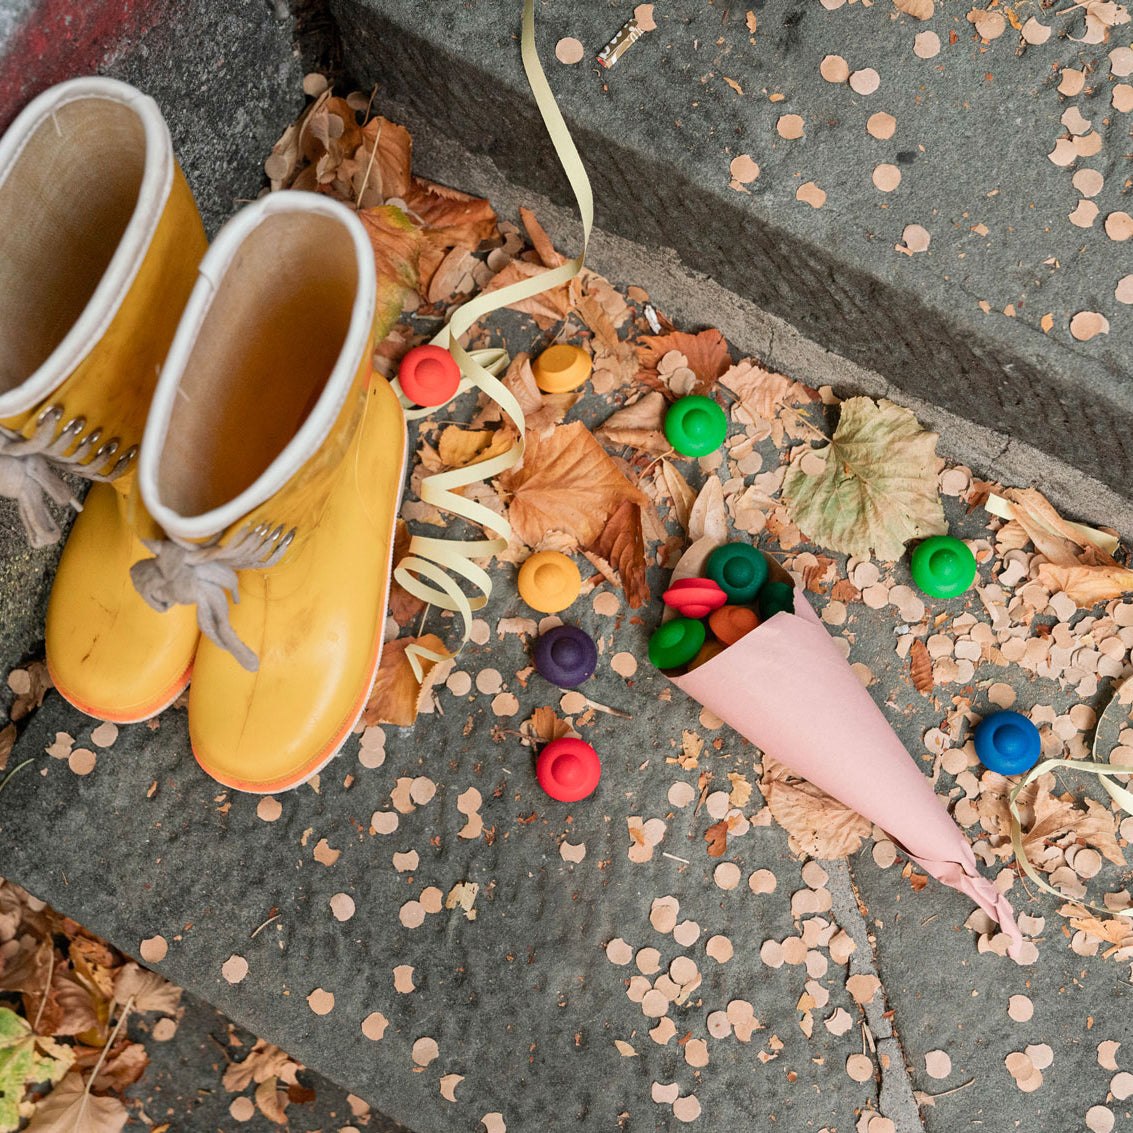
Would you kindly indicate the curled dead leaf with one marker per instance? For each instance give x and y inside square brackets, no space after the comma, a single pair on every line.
[920,666]
[397,695]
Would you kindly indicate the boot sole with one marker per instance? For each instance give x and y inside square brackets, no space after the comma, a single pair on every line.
[311,769]
[147,711]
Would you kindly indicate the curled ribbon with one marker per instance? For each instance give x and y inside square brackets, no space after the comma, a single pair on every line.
[1120,795]
[434,559]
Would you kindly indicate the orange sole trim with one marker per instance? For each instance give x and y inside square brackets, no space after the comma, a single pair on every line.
[133,716]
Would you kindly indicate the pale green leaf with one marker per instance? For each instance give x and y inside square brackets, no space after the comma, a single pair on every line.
[25,1060]
[872,488]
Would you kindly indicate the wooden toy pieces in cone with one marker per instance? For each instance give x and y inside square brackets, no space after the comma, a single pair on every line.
[786,687]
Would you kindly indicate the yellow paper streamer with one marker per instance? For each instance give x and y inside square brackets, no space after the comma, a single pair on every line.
[437,560]
[1120,795]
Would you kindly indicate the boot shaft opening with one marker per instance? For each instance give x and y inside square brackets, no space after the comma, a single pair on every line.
[65,203]
[274,330]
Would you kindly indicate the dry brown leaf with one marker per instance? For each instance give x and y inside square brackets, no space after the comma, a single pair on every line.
[451,219]
[817,825]
[622,544]
[264,1061]
[540,241]
[460,447]
[1086,585]
[147,989]
[544,726]
[397,695]
[69,1108]
[7,740]
[920,666]
[390,173]
[404,607]
[761,392]
[680,492]
[717,838]
[707,354]
[125,1063]
[1112,930]
[567,482]
[640,425]
[548,307]
[708,518]
[272,1101]
[40,682]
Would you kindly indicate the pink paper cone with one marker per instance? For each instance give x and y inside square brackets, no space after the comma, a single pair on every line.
[787,688]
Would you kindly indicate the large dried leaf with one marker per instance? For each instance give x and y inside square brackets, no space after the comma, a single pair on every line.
[397,695]
[389,174]
[1086,585]
[458,447]
[640,425]
[451,219]
[708,518]
[762,392]
[872,488]
[551,306]
[707,354]
[817,825]
[397,247]
[68,1109]
[264,1062]
[623,546]
[567,482]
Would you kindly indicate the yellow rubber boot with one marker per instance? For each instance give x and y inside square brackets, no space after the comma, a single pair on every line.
[274,468]
[99,244]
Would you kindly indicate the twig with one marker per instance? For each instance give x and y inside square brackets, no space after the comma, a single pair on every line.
[666,854]
[954,1090]
[266,923]
[370,165]
[46,991]
[98,1065]
[19,767]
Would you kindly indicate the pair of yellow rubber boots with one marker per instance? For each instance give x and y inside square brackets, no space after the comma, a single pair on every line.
[246,469]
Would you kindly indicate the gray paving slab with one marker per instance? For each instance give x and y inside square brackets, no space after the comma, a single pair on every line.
[974,126]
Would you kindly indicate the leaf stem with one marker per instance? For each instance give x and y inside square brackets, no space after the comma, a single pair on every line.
[19,767]
[77,1127]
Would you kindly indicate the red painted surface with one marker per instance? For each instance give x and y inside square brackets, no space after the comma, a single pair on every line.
[61,39]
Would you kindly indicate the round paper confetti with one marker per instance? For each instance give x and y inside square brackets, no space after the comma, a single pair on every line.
[762,881]
[374,1026]
[1020,1008]
[683,970]
[569,50]
[493,1123]
[916,238]
[648,961]
[618,951]
[834,69]
[424,1051]
[1088,324]
[342,906]
[686,933]
[1123,292]
[164,1030]
[1099,1119]
[1084,215]
[321,1002]
[937,1064]
[269,809]
[727,875]
[242,1109]
[234,969]
[865,81]
[654,1004]
[743,170]
[1041,1055]
[1119,226]
[926,45]
[696,1053]
[412,914]
[403,979]
[625,664]
[790,126]
[81,761]
[859,1067]
[459,683]
[643,13]
[811,194]
[719,948]
[881,125]
[1088,182]
[1121,1085]
[104,735]
[384,821]
[686,1109]
[886,177]
[153,950]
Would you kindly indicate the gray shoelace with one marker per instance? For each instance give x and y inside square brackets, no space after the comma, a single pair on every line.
[30,467]
[204,575]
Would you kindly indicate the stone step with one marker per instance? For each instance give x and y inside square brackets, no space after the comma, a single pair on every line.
[961,325]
